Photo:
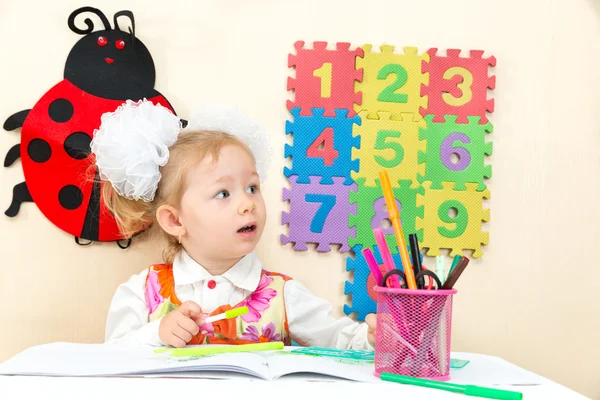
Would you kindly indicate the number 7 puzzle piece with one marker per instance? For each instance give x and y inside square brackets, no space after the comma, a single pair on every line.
[453,219]
[318,214]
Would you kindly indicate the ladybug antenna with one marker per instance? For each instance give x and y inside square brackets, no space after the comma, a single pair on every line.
[88,22]
[128,14]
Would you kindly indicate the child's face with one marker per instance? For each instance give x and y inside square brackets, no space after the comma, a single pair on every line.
[222,209]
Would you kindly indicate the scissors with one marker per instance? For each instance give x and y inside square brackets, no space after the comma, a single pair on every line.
[422,274]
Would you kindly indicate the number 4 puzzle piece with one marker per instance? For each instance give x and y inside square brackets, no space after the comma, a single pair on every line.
[318,214]
[441,230]
[334,159]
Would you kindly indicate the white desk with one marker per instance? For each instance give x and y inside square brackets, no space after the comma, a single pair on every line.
[180,388]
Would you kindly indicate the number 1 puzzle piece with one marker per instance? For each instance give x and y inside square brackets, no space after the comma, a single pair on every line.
[391,81]
[466,142]
[318,214]
[458,85]
[324,78]
[453,219]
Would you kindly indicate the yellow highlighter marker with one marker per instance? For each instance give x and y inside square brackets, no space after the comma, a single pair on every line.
[234,312]
[390,202]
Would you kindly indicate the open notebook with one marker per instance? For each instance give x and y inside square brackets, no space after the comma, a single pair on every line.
[72,359]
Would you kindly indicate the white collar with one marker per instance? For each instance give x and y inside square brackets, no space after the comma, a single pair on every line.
[245,274]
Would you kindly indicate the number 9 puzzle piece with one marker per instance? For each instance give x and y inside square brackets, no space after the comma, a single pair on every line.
[318,214]
[453,219]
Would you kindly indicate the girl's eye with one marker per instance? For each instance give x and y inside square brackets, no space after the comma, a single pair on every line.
[252,189]
[223,194]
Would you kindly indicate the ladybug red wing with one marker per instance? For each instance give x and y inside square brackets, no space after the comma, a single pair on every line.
[55,147]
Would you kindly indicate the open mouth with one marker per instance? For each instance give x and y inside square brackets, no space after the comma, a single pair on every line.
[247,228]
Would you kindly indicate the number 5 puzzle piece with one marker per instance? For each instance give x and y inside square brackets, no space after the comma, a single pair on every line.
[318,214]
[442,229]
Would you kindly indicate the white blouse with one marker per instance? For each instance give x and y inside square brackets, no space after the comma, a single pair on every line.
[309,317]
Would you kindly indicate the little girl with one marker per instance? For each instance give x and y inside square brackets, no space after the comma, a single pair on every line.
[200,186]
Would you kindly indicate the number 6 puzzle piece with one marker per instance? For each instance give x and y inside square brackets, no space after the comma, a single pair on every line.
[441,230]
[466,141]
[324,78]
[318,214]
[391,81]
[458,85]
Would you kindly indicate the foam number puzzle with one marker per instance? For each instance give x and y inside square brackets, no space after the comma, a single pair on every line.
[422,115]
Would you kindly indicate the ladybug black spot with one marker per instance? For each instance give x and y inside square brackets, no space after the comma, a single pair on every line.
[60,110]
[77,145]
[70,197]
[39,150]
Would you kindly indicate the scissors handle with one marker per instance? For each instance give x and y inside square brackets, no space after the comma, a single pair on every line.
[432,275]
[421,274]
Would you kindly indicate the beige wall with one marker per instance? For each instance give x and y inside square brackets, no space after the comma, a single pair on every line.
[519,302]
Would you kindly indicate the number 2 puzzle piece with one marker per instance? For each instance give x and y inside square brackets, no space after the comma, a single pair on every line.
[391,81]
[441,230]
[324,78]
[364,297]
[322,146]
[372,212]
[318,214]
[391,144]
[458,85]
[466,142]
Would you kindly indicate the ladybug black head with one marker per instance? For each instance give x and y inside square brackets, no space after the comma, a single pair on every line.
[110,63]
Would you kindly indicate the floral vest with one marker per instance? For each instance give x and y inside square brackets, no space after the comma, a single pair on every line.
[266,320]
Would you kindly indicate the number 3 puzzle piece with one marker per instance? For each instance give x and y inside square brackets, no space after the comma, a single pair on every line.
[441,230]
[391,81]
[324,78]
[458,85]
[318,214]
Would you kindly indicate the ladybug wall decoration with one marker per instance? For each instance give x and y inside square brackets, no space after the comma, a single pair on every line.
[103,69]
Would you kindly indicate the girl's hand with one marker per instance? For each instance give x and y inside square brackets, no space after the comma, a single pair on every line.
[371,321]
[179,326]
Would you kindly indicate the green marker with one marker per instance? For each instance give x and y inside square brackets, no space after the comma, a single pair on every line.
[469,390]
[454,263]
[209,350]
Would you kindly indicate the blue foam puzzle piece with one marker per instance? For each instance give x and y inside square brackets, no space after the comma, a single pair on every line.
[306,129]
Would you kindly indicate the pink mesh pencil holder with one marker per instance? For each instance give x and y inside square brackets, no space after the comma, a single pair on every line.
[414,332]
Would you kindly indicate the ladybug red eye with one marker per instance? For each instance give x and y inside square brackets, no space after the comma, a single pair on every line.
[102,41]
[120,44]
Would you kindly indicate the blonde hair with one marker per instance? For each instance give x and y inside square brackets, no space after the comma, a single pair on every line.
[191,147]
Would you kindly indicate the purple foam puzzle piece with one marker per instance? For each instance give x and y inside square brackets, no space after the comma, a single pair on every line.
[318,214]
